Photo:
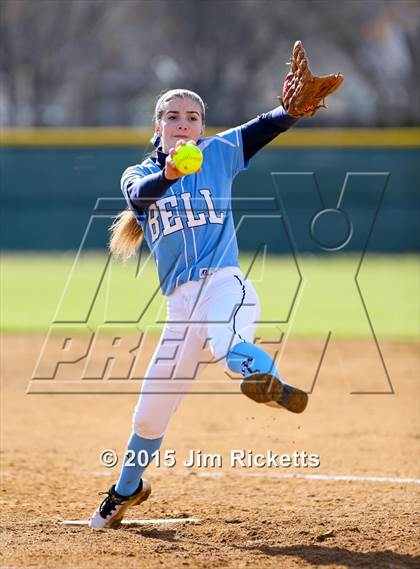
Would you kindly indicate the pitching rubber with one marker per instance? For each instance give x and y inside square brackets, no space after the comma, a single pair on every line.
[265,388]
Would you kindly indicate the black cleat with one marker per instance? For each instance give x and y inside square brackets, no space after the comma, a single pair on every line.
[112,509]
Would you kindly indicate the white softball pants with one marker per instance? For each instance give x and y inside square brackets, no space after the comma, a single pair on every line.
[216,313]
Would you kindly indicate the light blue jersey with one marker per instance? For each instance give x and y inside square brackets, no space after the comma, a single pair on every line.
[190,229]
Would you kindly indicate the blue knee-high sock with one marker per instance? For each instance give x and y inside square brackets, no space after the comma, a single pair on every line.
[247,358]
[132,471]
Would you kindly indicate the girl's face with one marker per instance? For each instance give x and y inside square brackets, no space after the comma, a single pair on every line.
[181,120]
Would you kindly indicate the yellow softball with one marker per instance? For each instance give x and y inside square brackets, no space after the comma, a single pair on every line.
[188,158]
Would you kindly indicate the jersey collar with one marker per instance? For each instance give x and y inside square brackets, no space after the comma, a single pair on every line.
[159,158]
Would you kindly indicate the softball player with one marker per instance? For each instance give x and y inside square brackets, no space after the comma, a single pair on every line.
[188,225]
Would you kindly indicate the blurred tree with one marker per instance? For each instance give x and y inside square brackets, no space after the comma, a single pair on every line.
[99,62]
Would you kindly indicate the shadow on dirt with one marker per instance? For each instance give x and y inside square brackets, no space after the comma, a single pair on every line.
[322,555]
[164,535]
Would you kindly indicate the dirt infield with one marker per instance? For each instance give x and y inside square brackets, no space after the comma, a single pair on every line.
[247,517]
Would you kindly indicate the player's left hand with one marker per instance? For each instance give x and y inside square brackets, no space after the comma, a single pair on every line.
[304,93]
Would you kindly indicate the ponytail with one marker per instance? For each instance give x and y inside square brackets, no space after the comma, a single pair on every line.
[126,235]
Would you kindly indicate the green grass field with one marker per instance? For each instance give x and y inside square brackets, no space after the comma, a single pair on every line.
[327,298]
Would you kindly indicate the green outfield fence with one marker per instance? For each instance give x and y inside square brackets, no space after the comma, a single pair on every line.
[53,181]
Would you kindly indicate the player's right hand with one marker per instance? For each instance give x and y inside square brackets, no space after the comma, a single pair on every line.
[171,172]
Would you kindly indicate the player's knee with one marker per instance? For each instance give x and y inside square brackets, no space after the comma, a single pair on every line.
[222,340]
[148,427]
[231,358]
[219,347]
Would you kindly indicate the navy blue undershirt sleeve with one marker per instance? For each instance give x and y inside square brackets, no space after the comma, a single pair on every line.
[258,132]
[146,190]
